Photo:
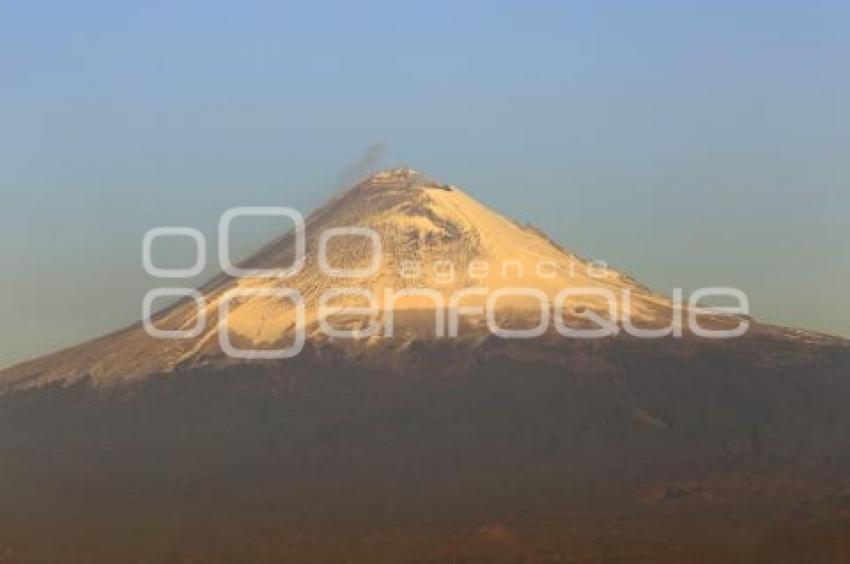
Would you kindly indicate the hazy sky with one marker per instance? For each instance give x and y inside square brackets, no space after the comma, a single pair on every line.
[688,143]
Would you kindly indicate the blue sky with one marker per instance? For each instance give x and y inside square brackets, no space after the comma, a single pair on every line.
[689,143]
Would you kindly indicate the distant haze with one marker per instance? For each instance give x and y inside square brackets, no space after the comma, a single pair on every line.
[689,145]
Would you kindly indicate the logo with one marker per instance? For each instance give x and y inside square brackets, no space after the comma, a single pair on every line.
[611,317]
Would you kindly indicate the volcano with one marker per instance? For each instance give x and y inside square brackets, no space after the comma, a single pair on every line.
[407,428]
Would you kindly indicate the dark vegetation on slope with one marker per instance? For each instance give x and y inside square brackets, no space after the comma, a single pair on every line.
[615,450]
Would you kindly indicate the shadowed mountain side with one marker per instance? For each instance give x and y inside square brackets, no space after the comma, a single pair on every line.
[514,432]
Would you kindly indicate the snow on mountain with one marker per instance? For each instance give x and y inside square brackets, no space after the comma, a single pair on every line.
[437,243]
